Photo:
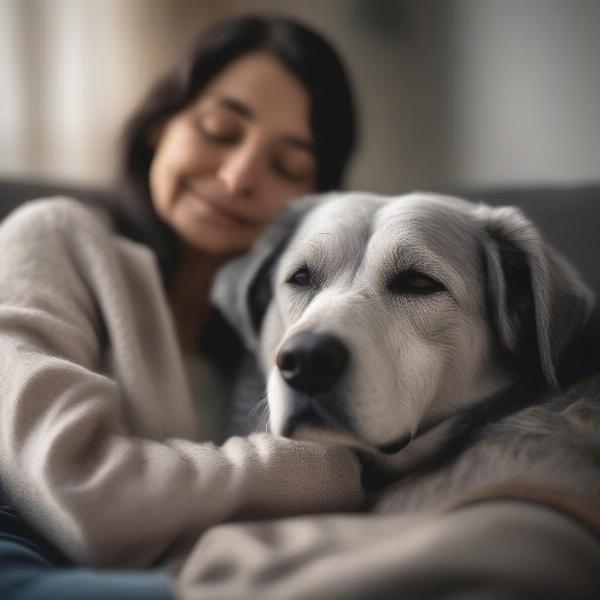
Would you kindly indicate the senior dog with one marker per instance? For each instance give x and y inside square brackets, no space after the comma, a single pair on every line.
[409,327]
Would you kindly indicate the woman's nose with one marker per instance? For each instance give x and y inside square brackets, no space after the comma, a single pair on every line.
[239,171]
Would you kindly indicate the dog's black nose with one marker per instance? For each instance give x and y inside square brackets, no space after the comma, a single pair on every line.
[312,362]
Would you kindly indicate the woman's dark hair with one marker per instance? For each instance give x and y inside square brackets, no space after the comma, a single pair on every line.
[304,52]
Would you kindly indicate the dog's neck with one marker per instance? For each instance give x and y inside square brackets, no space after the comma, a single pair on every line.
[442,442]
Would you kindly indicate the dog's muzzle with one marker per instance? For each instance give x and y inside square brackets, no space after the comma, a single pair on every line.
[312,363]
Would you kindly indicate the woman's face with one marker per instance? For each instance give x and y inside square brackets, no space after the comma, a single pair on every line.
[230,161]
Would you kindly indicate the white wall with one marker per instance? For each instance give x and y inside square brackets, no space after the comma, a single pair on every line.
[451,92]
[70,73]
[525,93]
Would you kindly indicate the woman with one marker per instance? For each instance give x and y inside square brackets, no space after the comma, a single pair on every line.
[100,447]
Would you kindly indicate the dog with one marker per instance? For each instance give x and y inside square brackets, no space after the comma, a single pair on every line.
[403,327]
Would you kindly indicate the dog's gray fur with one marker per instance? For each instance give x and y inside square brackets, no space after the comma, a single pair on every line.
[508,307]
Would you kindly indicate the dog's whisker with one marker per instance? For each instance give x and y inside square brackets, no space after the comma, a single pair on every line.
[265,416]
[257,405]
[390,337]
[260,403]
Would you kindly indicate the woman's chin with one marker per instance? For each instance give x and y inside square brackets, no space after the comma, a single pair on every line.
[212,240]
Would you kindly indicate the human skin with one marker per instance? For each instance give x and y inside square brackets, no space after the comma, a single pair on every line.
[223,168]
[229,162]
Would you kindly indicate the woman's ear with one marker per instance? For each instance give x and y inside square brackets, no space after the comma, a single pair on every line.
[242,289]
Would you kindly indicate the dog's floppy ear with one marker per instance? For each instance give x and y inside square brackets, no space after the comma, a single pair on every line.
[538,302]
[242,288]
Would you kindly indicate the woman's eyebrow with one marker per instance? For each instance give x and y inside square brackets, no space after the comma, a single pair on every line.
[236,106]
[246,112]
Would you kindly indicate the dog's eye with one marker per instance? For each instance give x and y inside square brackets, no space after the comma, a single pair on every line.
[413,282]
[301,277]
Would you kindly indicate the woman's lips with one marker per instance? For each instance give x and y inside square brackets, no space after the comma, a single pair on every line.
[218,209]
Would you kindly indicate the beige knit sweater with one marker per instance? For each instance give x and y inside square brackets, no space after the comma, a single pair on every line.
[99,443]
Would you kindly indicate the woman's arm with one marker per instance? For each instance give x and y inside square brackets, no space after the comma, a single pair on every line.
[74,457]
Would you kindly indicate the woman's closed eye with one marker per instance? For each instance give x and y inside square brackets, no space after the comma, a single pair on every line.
[219,129]
[218,126]
[297,166]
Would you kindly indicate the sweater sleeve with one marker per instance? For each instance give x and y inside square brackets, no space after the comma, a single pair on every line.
[69,458]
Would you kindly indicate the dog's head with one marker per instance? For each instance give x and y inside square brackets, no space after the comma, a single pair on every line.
[375,317]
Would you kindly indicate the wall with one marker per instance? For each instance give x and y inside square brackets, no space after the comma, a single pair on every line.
[525,93]
[452,93]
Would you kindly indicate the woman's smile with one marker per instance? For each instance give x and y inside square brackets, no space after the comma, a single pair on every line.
[241,151]
[215,210]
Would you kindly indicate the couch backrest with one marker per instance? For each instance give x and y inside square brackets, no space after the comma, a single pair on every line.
[568,217]
[15,192]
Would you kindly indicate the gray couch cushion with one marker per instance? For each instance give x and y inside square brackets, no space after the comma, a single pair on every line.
[14,192]
[569,217]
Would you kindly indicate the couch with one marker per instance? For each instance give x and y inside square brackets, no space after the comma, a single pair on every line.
[568,216]
[474,552]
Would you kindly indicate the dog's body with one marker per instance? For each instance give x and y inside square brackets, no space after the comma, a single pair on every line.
[398,325]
